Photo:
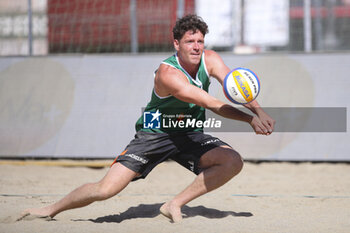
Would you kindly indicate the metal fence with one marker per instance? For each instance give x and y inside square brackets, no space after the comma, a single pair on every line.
[41,27]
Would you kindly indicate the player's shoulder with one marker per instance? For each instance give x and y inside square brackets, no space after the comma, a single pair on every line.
[168,79]
[211,54]
[211,57]
[212,60]
[165,69]
[166,73]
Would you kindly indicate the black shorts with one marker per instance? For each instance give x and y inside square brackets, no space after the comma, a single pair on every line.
[147,150]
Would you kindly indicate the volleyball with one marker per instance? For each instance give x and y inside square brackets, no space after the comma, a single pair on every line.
[241,86]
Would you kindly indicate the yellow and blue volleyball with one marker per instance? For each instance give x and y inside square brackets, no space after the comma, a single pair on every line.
[241,86]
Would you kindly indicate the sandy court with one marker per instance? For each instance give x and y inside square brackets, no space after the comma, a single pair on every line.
[265,197]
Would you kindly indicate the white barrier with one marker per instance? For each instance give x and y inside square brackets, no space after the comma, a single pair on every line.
[86,106]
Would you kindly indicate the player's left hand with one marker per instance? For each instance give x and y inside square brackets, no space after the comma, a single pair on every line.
[267,121]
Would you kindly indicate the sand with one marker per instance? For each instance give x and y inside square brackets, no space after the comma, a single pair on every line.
[265,197]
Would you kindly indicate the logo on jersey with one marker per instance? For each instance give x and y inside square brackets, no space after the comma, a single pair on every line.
[151,120]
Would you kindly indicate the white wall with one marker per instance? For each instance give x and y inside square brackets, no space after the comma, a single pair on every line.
[86,106]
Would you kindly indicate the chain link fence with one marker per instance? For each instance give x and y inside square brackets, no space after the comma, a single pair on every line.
[41,27]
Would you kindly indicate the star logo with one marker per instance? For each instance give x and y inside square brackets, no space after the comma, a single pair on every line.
[156,115]
[151,120]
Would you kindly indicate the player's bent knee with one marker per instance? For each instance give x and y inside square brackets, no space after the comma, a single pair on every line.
[237,164]
[226,157]
[233,161]
[104,192]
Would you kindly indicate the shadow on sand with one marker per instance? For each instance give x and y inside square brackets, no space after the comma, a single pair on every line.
[152,210]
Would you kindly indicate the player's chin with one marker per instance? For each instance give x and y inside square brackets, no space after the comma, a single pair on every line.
[195,60]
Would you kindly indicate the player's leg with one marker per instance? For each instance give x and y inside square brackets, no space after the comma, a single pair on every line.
[116,179]
[218,165]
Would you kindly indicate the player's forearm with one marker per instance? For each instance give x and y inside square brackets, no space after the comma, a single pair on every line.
[254,107]
[230,112]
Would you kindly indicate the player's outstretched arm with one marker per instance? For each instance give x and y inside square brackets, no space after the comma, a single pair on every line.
[173,82]
[218,70]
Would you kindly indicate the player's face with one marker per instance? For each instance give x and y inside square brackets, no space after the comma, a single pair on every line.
[190,47]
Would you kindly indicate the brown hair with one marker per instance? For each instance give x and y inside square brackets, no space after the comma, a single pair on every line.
[189,22]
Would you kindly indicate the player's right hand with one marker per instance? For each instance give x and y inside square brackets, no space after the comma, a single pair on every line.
[259,127]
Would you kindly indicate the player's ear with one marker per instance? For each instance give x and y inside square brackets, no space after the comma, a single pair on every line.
[176,45]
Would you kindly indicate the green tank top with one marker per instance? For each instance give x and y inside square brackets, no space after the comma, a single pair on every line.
[169,114]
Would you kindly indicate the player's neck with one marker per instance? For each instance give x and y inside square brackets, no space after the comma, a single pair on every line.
[191,69]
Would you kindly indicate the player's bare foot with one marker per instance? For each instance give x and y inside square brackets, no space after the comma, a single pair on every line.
[171,211]
[31,214]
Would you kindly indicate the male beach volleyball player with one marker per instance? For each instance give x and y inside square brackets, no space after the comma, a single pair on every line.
[180,86]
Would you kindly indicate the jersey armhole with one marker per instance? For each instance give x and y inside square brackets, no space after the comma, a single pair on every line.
[160,97]
[205,65]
